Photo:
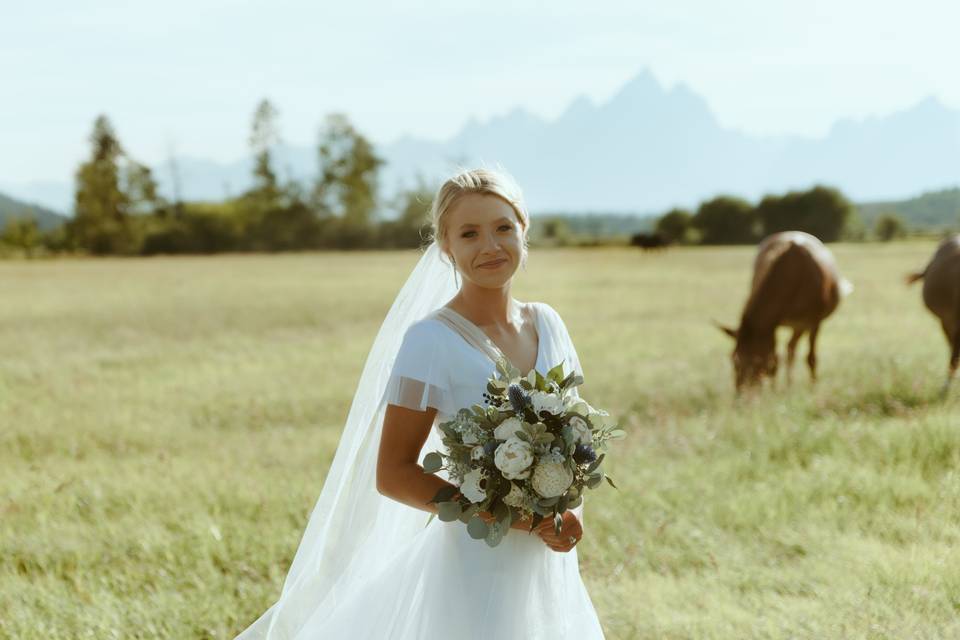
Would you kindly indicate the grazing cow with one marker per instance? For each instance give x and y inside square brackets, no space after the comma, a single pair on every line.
[649,241]
[941,294]
[795,284]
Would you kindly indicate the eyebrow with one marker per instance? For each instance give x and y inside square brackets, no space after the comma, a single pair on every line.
[470,224]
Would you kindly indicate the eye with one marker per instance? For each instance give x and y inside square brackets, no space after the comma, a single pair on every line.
[508,227]
[468,234]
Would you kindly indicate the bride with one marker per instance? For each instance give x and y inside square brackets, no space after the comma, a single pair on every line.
[373,564]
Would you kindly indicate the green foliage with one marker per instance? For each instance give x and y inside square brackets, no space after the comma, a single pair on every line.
[411,225]
[889,227]
[347,186]
[101,224]
[821,211]
[675,226]
[933,211]
[727,220]
[22,235]
[265,195]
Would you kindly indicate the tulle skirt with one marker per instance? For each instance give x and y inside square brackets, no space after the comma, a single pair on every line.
[449,586]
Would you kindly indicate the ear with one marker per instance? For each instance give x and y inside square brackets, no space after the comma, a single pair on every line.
[727,330]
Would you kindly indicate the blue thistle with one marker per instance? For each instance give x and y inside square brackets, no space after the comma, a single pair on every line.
[584,454]
[490,448]
[518,397]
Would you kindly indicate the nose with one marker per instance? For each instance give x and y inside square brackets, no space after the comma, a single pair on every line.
[491,242]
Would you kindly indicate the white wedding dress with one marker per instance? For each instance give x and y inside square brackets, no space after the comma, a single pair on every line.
[447,585]
[435,581]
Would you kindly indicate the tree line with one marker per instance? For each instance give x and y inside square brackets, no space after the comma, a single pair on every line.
[820,211]
[118,209]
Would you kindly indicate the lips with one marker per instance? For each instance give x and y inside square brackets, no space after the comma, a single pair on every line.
[493,264]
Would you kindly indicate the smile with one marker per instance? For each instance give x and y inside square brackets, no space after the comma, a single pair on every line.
[493,265]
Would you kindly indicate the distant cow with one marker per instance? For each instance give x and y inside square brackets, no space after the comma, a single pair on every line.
[649,241]
[795,284]
[941,294]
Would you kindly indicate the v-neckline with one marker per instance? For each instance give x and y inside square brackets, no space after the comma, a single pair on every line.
[537,327]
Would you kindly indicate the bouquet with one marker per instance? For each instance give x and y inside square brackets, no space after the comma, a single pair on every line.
[530,453]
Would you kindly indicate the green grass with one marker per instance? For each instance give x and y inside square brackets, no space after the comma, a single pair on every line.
[166,424]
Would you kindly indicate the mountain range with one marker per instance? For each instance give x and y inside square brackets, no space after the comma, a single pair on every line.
[11,208]
[644,150]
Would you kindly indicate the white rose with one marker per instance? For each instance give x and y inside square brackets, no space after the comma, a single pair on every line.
[543,401]
[471,488]
[516,497]
[551,479]
[514,458]
[508,428]
[582,433]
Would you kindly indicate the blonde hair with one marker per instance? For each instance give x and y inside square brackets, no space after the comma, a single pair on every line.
[477,181]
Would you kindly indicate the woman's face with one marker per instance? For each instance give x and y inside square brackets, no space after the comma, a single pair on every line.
[485,239]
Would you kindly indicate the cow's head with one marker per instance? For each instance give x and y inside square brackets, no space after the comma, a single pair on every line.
[754,357]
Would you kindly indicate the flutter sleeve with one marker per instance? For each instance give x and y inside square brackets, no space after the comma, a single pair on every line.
[564,343]
[420,376]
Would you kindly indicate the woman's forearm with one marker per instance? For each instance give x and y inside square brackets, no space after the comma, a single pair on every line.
[411,486]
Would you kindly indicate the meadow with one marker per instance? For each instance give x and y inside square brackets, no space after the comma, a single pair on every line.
[166,425]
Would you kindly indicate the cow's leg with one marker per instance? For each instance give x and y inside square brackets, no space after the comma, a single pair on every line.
[953,338]
[792,353]
[812,354]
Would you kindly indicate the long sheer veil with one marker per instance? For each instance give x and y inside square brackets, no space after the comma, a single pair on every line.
[353,529]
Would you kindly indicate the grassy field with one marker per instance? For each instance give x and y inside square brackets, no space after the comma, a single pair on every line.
[166,424]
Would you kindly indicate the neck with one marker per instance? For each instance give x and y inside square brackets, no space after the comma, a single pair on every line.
[487,307]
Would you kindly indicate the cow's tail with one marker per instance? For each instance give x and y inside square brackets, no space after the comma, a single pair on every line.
[913,277]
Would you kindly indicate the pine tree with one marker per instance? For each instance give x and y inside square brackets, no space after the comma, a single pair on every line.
[100,224]
[347,183]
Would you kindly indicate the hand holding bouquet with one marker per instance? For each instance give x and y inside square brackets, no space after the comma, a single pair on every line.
[529,454]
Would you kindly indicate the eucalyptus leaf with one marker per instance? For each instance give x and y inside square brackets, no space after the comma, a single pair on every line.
[433,462]
[468,513]
[617,434]
[495,534]
[542,511]
[477,528]
[449,511]
[611,483]
[575,502]
[500,511]
[596,463]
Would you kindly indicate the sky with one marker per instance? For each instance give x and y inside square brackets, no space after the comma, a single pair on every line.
[184,77]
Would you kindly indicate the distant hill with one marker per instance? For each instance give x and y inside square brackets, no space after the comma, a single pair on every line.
[932,210]
[11,208]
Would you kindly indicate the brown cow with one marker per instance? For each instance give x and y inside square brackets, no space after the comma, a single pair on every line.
[795,284]
[941,294]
